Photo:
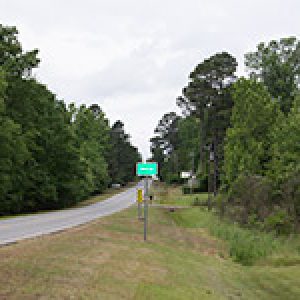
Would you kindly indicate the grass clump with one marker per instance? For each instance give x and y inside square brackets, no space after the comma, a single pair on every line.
[246,246]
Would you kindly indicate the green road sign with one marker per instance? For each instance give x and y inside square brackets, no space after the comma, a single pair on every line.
[146,169]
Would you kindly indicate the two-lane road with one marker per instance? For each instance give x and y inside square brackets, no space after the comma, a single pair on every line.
[23,227]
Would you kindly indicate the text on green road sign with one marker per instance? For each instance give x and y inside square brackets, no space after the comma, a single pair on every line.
[146,169]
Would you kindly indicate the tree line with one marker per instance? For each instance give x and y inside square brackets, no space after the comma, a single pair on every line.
[52,155]
[241,136]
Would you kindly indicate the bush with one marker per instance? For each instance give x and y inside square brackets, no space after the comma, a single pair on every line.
[220,202]
[203,184]
[174,179]
[194,190]
[253,195]
[279,221]
[290,193]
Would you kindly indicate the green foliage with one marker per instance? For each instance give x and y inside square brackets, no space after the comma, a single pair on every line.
[252,202]
[207,97]
[207,86]
[285,145]
[251,195]
[277,64]
[246,246]
[203,183]
[13,155]
[250,129]
[262,159]
[51,155]
[92,133]
[206,103]
[290,195]
[46,127]
[194,190]
[247,146]
[123,156]
[189,137]
[164,146]
[279,221]
[13,60]
[175,146]
[284,167]
[173,178]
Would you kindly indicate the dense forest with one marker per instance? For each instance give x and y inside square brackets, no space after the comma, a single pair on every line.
[52,155]
[240,136]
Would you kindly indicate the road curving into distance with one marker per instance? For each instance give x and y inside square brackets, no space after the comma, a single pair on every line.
[18,228]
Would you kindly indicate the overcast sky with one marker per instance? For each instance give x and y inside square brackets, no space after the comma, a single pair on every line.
[133,57]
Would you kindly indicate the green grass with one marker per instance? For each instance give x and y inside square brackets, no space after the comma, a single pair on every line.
[164,194]
[245,246]
[108,259]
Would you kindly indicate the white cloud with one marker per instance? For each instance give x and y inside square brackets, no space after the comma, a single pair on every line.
[133,57]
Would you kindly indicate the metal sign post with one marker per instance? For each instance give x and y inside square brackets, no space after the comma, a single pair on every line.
[145,207]
[146,170]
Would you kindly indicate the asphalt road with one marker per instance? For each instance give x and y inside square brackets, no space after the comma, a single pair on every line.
[18,228]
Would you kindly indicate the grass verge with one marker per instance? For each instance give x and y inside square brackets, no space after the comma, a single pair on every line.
[245,246]
[108,259]
[165,194]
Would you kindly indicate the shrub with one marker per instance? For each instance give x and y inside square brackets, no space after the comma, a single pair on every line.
[290,191]
[253,194]
[174,179]
[194,190]
[279,221]
[203,184]
[220,202]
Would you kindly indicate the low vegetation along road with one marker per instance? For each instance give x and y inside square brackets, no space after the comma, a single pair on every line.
[18,228]
[190,253]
